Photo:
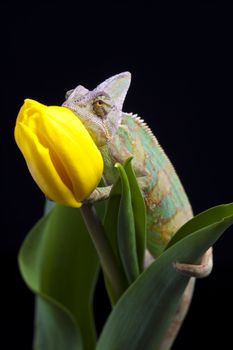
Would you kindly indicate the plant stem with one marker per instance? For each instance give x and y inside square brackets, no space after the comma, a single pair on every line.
[103,248]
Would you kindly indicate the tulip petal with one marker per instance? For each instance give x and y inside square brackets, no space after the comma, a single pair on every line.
[74,147]
[41,167]
[60,153]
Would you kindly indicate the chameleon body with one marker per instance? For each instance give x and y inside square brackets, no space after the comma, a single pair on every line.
[120,135]
[166,202]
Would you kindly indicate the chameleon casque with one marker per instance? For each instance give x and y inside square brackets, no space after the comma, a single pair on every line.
[120,135]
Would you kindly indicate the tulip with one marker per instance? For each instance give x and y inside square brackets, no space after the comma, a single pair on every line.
[60,153]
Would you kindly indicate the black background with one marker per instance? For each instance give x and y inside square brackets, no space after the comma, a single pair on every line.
[180,60]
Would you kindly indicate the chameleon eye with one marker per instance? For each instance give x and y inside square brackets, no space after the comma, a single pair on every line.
[101,108]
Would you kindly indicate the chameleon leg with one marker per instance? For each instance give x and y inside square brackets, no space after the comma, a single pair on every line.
[198,271]
[99,194]
[102,193]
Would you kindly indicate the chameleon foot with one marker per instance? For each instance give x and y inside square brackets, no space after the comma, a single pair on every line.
[102,193]
[199,271]
[99,194]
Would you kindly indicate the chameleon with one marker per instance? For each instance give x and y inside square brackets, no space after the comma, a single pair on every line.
[118,136]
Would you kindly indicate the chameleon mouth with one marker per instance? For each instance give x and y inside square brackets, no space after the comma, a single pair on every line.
[98,130]
[65,104]
[107,134]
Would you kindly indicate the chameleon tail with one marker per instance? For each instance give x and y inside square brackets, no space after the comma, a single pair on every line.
[179,316]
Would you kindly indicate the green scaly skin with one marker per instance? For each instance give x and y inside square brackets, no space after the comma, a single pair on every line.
[167,205]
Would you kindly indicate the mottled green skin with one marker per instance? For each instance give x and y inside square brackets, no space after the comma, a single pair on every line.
[167,205]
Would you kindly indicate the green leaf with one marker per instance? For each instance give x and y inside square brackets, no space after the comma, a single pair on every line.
[110,226]
[111,218]
[126,195]
[59,263]
[49,320]
[143,314]
[126,229]
[203,220]
[139,211]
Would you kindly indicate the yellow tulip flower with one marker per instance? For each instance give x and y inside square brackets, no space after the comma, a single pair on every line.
[60,153]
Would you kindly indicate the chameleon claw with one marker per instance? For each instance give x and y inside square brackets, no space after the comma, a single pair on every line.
[99,194]
[199,271]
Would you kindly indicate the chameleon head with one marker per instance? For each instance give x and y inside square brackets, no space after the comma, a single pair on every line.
[100,110]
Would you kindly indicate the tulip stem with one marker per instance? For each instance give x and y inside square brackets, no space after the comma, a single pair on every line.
[103,248]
